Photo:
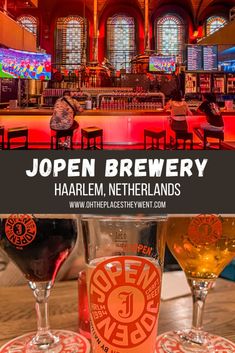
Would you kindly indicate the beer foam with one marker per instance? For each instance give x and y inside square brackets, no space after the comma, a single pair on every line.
[53,216]
[134,218]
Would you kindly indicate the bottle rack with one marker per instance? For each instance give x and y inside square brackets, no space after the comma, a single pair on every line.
[190,83]
[205,83]
[219,84]
[231,84]
[50,95]
[131,101]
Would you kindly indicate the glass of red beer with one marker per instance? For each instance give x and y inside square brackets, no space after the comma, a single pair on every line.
[39,245]
[124,261]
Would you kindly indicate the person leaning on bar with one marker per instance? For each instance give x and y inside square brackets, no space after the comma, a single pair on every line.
[179,110]
[64,113]
[213,114]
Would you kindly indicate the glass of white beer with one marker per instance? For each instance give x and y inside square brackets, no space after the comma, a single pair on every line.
[203,245]
[124,257]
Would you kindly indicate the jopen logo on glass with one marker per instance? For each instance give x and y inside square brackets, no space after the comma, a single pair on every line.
[205,229]
[20,230]
[124,300]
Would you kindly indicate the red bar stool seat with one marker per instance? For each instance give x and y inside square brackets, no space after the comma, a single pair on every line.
[219,135]
[155,137]
[91,133]
[183,136]
[60,136]
[2,130]
[15,134]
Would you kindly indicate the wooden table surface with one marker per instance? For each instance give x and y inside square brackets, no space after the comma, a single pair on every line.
[17,314]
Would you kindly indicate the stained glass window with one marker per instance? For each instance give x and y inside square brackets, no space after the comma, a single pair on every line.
[214,23]
[30,23]
[70,42]
[121,45]
[170,36]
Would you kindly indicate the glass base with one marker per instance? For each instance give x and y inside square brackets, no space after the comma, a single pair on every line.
[69,342]
[188,342]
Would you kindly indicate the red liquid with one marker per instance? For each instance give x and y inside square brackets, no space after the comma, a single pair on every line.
[50,241]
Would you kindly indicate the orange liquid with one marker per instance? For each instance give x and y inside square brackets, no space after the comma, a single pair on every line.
[124,298]
[202,246]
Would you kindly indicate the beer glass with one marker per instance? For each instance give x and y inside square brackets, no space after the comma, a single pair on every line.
[203,245]
[39,245]
[124,258]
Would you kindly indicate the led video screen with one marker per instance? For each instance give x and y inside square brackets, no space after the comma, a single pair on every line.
[24,65]
[228,66]
[162,64]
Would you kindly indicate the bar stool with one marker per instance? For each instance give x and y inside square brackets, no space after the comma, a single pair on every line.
[57,135]
[219,135]
[16,133]
[184,136]
[155,136]
[2,137]
[89,133]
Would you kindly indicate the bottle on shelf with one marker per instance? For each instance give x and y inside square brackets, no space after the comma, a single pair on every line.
[102,106]
[111,104]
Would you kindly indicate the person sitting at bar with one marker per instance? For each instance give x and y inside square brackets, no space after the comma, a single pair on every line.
[179,110]
[214,117]
[65,110]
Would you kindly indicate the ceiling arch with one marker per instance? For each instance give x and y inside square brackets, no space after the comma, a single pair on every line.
[195,7]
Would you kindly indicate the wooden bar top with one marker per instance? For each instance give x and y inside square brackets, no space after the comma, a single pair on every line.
[95,112]
[17,314]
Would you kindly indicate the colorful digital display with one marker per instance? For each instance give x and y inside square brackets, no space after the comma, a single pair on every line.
[210,57]
[24,65]
[165,64]
[228,66]
[194,58]
[202,58]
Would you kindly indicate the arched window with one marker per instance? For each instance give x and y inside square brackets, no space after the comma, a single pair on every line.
[71,35]
[30,23]
[214,23]
[170,36]
[121,46]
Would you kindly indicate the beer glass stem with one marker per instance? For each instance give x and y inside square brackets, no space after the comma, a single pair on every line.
[44,339]
[199,290]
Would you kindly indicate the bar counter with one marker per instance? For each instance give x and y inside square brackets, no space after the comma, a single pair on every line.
[120,127]
[17,314]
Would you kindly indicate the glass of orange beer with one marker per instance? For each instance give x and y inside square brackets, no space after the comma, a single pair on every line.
[203,245]
[124,257]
